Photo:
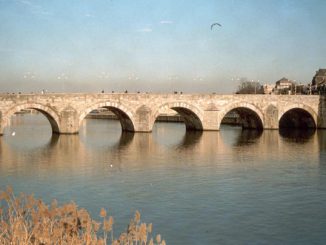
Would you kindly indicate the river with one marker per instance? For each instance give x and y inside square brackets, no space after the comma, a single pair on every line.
[229,187]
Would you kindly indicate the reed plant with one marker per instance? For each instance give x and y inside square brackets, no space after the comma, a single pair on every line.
[27,220]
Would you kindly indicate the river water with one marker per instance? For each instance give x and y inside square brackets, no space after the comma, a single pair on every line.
[226,187]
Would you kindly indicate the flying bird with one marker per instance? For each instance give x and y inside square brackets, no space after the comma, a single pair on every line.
[215,24]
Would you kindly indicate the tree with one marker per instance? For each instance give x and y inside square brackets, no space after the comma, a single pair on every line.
[250,87]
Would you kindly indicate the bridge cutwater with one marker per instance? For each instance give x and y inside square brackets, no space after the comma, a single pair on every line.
[137,112]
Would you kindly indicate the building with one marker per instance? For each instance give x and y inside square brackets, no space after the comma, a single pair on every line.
[318,83]
[268,88]
[320,78]
[284,86]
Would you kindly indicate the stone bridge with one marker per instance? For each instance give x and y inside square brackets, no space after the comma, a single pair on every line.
[137,112]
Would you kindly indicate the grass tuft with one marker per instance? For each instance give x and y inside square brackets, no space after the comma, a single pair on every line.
[25,220]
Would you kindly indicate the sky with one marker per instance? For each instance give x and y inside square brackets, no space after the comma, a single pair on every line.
[158,45]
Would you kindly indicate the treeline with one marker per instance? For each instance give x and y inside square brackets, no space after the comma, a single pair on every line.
[249,87]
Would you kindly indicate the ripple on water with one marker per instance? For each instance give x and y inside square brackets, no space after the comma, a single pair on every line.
[227,187]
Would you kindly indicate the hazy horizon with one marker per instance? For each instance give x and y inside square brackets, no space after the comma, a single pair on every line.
[158,46]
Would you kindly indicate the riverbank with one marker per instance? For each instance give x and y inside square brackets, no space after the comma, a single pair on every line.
[231,120]
[111,116]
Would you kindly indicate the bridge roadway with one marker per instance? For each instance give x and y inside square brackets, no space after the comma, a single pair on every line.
[137,112]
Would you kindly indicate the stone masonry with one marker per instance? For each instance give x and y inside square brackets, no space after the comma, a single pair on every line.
[138,112]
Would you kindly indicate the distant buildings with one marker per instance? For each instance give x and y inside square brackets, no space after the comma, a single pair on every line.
[282,86]
[320,78]
[318,83]
[268,88]
[283,83]
[286,86]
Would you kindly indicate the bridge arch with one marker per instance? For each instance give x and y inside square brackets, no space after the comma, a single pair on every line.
[250,115]
[47,111]
[192,116]
[298,116]
[123,113]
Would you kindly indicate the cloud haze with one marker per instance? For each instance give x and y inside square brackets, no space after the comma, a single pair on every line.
[98,44]
[145,30]
[166,22]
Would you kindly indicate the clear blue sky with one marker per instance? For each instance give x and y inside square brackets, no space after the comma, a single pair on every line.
[158,45]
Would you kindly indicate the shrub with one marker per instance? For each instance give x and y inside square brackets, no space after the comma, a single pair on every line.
[27,220]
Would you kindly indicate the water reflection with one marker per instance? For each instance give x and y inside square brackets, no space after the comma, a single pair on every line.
[322,139]
[167,136]
[248,137]
[190,140]
[172,176]
[111,145]
[107,137]
[125,140]
[297,135]
[53,141]
[321,135]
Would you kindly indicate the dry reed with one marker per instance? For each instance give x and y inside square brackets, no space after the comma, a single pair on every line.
[27,220]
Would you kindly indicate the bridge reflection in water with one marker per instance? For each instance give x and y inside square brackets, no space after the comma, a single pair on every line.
[237,184]
[104,141]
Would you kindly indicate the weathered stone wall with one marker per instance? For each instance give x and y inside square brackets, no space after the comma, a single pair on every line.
[138,112]
[322,112]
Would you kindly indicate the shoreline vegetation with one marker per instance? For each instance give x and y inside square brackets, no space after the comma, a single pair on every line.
[27,220]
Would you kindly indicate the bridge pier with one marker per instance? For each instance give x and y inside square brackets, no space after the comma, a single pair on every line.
[69,121]
[1,123]
[322,112]
[211,120]
[271,117]
[143,120]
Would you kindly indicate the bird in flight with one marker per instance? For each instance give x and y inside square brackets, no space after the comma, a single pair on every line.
[215,24]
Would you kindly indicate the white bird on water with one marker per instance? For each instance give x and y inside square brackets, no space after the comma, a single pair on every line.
[13,133]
